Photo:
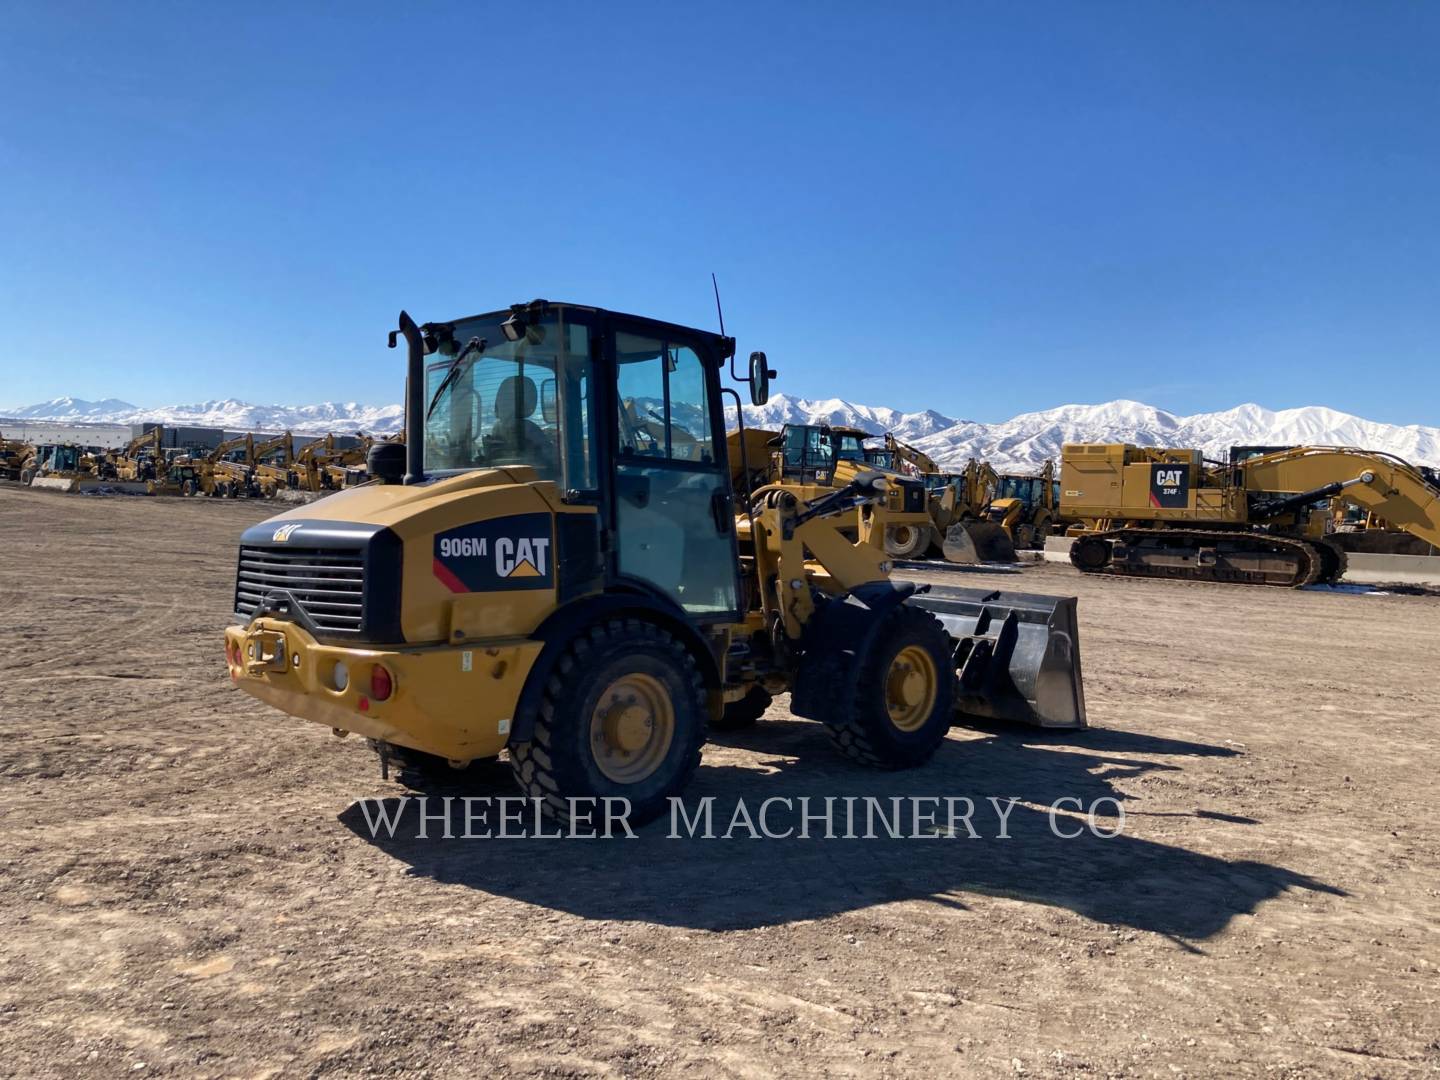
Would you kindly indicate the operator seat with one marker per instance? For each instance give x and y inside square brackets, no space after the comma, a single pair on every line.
[516,439]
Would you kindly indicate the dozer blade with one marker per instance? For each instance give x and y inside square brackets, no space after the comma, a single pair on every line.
[1017,655]
[978,542]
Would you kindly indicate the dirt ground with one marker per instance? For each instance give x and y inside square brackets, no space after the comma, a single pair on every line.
[187,886]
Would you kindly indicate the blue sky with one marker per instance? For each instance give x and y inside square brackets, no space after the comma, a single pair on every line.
[983,208]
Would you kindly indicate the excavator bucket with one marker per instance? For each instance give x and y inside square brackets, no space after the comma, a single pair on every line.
[1017,655]
[978,542]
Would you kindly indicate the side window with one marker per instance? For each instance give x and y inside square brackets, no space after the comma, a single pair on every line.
[664,409]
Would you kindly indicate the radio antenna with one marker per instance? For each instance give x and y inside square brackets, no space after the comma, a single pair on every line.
[719,312]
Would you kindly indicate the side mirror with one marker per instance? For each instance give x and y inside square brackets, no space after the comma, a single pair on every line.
[760,376]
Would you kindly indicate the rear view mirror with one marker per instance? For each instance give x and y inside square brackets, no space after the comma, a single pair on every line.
[760,375]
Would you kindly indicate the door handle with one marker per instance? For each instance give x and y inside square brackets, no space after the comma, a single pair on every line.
[634,488]
[722,508]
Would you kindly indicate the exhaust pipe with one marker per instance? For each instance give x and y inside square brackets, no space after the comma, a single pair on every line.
[414,398]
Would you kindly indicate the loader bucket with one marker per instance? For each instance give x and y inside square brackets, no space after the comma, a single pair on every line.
[978,542]
[1017,655]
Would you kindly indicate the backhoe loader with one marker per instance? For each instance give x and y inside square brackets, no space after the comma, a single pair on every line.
[222,475]
[957,504]
[1259,519]
[64,467]
[271,463]
[1026,506]
[534,572]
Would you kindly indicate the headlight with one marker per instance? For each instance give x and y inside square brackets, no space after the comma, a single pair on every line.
[340,677]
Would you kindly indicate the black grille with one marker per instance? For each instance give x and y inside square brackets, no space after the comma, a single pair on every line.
[327,585]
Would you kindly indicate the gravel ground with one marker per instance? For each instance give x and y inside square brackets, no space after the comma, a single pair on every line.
[189,886]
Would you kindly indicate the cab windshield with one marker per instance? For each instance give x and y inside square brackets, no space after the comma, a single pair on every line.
[493,402]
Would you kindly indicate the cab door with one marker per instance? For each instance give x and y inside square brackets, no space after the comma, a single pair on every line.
[674,515]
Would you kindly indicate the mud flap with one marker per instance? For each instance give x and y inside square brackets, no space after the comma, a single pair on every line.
[1017,655]
[978,542]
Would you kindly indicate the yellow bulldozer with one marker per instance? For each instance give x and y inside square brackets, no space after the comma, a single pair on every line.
[1260,518]
[532,572]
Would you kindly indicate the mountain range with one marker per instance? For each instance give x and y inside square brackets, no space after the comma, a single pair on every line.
[1022,443]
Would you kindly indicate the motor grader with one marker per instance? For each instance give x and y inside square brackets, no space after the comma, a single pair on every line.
[1260,518]
[534,572]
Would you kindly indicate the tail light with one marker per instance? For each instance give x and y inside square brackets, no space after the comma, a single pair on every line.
[381,683]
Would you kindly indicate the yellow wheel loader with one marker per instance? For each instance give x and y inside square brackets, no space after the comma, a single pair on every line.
[13,455]
[1259,519]
[556,564]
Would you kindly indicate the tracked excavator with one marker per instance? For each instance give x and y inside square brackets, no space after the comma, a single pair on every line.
[1258,519]
[591,594]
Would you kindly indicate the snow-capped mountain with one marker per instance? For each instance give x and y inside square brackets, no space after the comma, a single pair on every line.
[784,409]
[228,414]
[69,408]
[1022,443]
[1027,441]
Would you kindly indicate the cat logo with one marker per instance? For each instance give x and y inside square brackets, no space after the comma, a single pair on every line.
[283,533]
[1169,486]
[516,552]
[521,558]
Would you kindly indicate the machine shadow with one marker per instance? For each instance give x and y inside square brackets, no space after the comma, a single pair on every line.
[739,883]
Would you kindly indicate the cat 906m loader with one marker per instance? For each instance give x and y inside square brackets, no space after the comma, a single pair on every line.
[557,563]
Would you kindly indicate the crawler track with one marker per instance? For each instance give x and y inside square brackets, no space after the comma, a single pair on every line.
[1225,556]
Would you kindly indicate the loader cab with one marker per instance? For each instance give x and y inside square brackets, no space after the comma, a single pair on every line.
[621,413]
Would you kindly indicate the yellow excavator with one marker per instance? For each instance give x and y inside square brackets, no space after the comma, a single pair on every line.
[591,595]
[1259,519]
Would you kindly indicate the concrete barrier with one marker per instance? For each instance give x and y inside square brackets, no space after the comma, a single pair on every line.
[1362,568]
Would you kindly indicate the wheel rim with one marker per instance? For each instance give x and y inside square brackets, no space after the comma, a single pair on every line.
[911,687]
[631,728]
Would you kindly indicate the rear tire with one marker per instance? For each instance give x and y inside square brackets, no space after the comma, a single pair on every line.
[26,476]
[900,710]
[745,712]
[907,541]
[622,715]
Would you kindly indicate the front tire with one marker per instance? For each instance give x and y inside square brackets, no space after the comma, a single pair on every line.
[904,693]
[622,715]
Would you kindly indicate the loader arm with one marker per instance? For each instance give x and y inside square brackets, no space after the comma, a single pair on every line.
[1383,485]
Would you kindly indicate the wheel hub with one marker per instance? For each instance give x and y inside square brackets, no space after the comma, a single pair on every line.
[911,687]
[631,728]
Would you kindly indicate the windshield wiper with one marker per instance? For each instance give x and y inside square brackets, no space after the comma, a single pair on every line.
[474,345]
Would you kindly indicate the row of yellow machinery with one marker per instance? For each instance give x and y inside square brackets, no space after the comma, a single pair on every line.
[570,562]
[241,467]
